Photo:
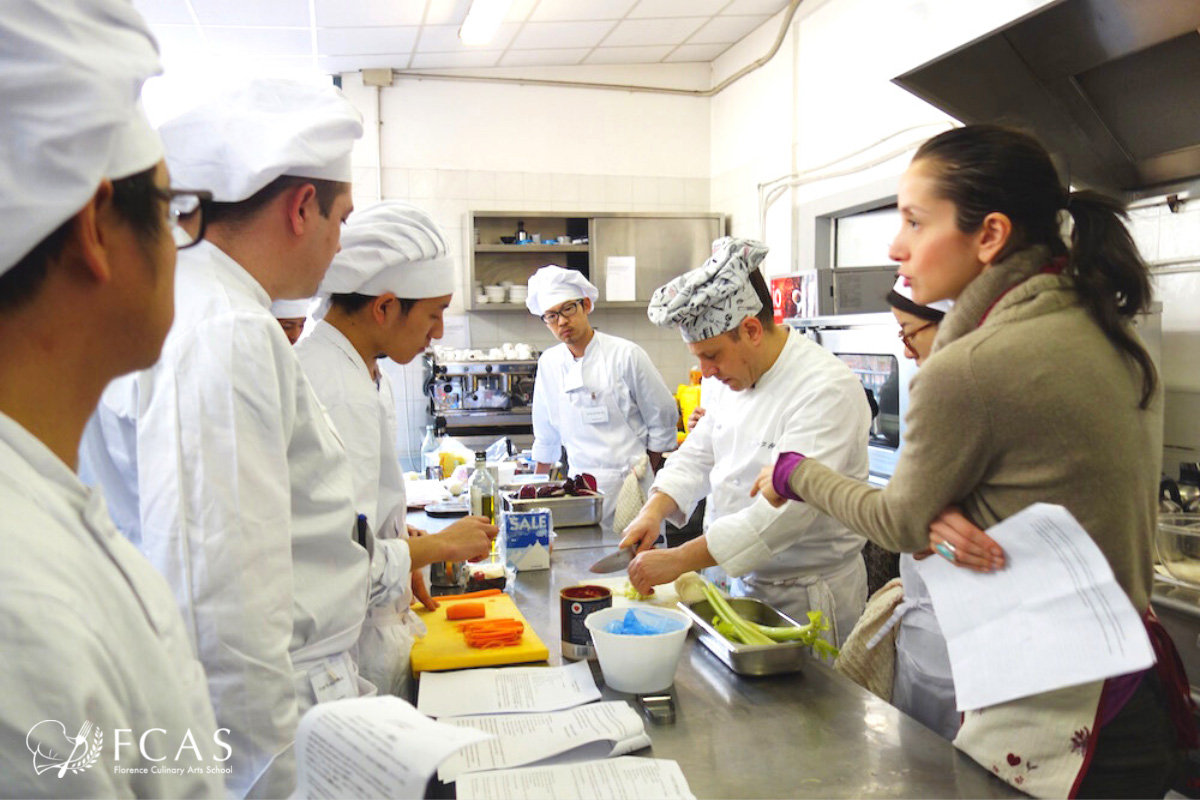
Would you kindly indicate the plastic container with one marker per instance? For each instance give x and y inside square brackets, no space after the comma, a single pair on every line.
[1178,546]
[638,664]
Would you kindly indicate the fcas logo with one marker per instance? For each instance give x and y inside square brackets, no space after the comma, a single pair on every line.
[56,750]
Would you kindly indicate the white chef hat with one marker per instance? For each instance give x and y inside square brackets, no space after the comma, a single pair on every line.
[291,309]
[715,297]
[237,143]
[391,247]
[901,297]
[552,285]
[72,71]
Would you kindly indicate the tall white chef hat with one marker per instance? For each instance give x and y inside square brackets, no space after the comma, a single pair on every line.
[552,285]
[715,297]
[391,247]
[70,117]
[237,143]
[901,297]
[291,309]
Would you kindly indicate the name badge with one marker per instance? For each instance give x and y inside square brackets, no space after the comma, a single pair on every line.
[331,680]
[595,415]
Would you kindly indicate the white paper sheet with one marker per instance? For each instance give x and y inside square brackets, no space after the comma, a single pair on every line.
[614,779]
[372,747]
[620,282]
[597,730]
[1053,617]
[506,689]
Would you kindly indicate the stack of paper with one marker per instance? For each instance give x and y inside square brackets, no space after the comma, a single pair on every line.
[545,717]
[598,730]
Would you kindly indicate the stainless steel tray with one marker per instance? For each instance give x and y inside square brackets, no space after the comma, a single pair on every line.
[565,512]
[747,659]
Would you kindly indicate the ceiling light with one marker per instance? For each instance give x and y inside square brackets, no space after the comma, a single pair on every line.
[483,18]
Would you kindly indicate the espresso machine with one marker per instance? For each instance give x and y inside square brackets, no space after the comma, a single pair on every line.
[482,399]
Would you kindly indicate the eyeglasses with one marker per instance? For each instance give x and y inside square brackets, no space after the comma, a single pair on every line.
[907,337]
[187,214]
[565,310]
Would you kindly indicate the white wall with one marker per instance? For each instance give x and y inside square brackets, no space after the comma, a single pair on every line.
[455,147]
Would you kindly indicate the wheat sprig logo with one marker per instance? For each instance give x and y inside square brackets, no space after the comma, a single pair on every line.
[48,740]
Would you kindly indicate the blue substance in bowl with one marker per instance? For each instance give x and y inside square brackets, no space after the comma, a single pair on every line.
[643,623]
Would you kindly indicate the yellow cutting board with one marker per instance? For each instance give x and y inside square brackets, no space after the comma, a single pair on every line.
[443,646]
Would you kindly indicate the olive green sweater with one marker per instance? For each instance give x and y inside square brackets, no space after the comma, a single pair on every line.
[1033,405]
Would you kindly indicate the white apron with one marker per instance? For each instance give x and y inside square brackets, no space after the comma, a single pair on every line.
[923,687]
[838,592]
[600,439]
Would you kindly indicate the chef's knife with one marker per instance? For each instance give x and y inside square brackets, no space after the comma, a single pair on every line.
[614,562]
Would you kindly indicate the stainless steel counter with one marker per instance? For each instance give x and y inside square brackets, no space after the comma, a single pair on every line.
[812,734]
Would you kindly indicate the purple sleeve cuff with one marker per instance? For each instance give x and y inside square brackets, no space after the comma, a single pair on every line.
[785,465]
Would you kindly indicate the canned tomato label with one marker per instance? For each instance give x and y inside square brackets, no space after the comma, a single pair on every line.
[575,603]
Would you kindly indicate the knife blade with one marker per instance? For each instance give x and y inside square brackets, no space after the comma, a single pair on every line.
[614,562]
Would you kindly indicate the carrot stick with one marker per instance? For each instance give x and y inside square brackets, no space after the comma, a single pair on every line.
[470,595]
[466,610]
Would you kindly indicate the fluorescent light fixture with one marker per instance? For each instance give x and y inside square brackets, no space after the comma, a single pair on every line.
[483,18]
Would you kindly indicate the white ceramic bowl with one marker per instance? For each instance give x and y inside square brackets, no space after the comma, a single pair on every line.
[638,664]
[495,294]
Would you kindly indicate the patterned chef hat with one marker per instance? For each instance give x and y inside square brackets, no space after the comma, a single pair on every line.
[714,298]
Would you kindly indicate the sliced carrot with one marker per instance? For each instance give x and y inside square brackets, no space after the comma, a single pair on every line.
[470,595]
[493,633]
[466,610]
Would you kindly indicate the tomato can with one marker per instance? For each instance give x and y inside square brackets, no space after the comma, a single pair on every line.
[575,603]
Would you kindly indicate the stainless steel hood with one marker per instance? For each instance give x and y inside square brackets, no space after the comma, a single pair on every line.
[1111,87]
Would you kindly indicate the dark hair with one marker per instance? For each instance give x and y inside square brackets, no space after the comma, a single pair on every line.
[352,303]
[135,198]
[902,303]
[766,314]
[327,193]
[988,168]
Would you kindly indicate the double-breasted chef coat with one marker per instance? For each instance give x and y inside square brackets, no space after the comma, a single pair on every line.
[91,638]
[607,408]
[245,506]
[793,557]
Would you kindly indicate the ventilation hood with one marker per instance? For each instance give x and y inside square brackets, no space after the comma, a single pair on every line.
[1111,87]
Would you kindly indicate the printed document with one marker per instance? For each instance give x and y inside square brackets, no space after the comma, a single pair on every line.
[504,690]
[372,747]
[1053,617]
[614,779]
[598,730]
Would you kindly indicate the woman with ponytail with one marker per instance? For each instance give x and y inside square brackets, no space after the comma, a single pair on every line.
[1036,390]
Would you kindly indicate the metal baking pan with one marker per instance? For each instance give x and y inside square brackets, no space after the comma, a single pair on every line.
[565,512]
[747,659]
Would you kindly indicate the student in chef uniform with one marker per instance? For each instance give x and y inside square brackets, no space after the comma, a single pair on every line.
[292,314]
[922,685]
[384,295]
[597,395]
[767,388]
[244,489]
[90,642]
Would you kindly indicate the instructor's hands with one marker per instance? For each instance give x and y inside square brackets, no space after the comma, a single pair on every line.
[763,485]
[959,541]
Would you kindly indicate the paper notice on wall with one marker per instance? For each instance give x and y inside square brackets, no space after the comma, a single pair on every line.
[621,280]
[456,332]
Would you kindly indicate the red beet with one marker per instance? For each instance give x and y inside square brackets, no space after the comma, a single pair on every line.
[527,492]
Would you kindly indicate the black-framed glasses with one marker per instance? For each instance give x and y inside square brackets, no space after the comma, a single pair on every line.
[187,214]
[907,337]
[565,310]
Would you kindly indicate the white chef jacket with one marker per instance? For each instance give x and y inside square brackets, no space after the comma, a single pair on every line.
[115,469]
[364,416]
[245,507]
[90,635]
[807,402]
[607,408]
